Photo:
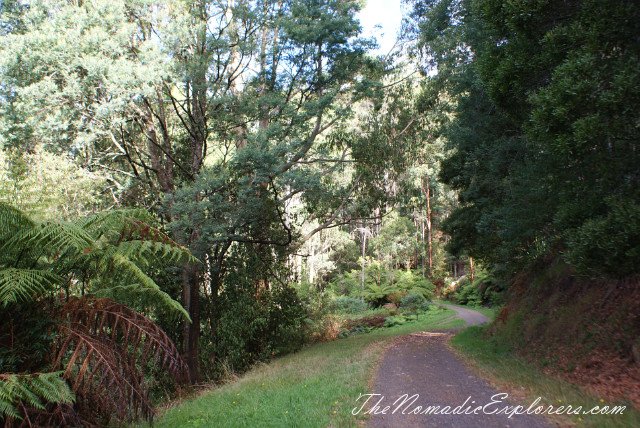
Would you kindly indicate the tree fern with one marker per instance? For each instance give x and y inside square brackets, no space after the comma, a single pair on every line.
[142,283]
[378,293]
[108,222]
[53,237]
[109,346]
[114,248]
[19,392]
[11,221]
[101,346]
[20,285]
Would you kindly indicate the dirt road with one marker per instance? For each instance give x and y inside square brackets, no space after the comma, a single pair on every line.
[420,371]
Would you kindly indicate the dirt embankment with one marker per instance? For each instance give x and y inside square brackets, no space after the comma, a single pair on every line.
[585,330]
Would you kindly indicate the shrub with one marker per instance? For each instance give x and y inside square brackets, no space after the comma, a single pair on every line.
[469,294]
[394,320]
[254,326]
[348,305]
[415,284]
[375,321]
[346,283]
[323,329]
[608,244]
[378,295]
[483,290]
[414,302]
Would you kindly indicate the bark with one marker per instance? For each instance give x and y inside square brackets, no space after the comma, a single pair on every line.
[191,335]
[426,190]
[158,165]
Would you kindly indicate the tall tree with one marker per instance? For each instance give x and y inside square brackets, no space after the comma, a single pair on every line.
[190,104]
[542,156]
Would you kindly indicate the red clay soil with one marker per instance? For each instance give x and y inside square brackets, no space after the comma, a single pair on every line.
[587,330]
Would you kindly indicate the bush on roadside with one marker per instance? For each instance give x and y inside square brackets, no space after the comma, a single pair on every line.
[348,305]
[394,320]
[375,320]
[414,302]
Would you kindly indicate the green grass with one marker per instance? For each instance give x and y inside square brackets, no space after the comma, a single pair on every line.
[494,361]
[488,312]
[316,387]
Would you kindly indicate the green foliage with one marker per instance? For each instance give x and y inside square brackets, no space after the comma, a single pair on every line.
[47,185]
[249,329]
[348,305]
[394,320]
[347,283]
[468,293]
[413,302]
[483,290]
[26,337]
[534,101]
[19,285]
[100,250]
[379,294]
[89,338]
[609,243]
[345,258]
[409,282]
[32,390]
[396,242]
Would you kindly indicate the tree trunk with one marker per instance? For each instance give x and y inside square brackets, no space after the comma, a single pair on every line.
[191,297]
[429,242]
[364,240]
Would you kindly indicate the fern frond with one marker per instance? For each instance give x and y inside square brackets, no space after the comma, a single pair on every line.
[103,346]
[151,297]
[12,220]
[24,284]
[55,237]
[31,392]
[112,221]
[62,236]
[146,284]
[421,290]
[146,252]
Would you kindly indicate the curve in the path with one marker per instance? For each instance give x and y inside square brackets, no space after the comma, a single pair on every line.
[470,316]
[421,366]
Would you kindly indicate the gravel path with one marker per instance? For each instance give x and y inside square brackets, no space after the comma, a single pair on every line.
[422,366]
[470,316]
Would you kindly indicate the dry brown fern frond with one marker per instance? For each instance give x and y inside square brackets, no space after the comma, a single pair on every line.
[103,348]
[53,415]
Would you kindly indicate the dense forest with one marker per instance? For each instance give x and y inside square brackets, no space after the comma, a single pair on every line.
[191,187]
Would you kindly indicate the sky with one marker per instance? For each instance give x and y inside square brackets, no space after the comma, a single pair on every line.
[387,14]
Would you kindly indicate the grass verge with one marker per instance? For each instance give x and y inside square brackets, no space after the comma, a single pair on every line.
[316,387]
[494,361]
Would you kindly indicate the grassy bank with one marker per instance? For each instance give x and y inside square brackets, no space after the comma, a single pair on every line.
[494,361]
[316,387]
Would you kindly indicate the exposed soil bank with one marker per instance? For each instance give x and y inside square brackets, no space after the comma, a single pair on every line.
[584,330]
